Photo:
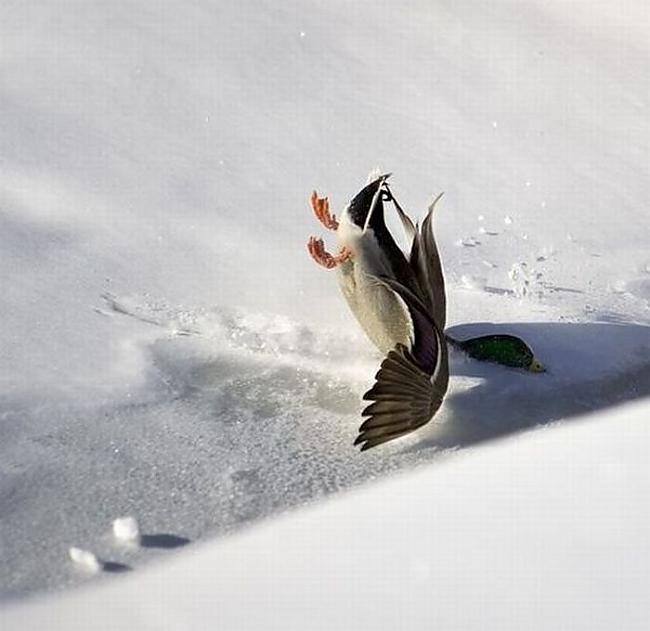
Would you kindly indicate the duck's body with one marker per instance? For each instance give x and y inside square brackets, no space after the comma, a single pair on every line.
[379,310]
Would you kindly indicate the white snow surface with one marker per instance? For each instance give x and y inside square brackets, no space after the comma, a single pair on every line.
[544,532]
[170,351]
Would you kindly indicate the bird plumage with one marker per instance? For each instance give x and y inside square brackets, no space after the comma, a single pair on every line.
[400,303]
[395,302]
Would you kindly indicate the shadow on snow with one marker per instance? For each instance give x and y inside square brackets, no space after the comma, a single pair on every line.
[590,366]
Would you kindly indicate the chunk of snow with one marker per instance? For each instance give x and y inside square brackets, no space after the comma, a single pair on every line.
[526,281]
[85,560]
[374,174]
[507,220]
[468,242]
[126,530]
[470,281]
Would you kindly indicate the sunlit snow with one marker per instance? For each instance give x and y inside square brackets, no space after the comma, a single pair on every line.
[172,355]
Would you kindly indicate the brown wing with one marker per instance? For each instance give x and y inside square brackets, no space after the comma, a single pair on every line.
[404,398]
[410,383]
[425,262]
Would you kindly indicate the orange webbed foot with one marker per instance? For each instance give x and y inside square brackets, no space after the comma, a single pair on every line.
[317,250]
[321,206]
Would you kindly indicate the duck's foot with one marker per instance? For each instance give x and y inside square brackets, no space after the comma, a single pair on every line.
[318,252]
[321,206]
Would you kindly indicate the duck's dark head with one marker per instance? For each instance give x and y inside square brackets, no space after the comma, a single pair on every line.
[507,350]
[368,203]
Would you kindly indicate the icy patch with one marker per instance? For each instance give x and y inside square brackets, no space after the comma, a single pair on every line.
[126,530]
[85,560]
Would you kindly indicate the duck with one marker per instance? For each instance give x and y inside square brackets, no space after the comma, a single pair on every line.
[400,303]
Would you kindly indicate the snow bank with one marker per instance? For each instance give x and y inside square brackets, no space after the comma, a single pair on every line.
[547,531]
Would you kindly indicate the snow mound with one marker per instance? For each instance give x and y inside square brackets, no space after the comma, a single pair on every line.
[126,530]
[546,531]
[85,560]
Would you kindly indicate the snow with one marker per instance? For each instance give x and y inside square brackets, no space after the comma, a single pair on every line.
[548,531]
[85,560]
[171,353]
[126,530]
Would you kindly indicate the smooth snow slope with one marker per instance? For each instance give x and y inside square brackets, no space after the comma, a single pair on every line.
[543,532]
[169,351]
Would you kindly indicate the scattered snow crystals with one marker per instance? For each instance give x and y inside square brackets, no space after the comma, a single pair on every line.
[507,220]
[526,281]
[85,560]
[374,174]
[546,253]
[468,242]
[473,282]
[126,530]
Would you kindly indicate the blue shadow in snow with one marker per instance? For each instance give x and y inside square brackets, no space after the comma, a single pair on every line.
[590,366]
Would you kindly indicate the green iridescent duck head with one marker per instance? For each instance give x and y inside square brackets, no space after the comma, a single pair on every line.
[507,350]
